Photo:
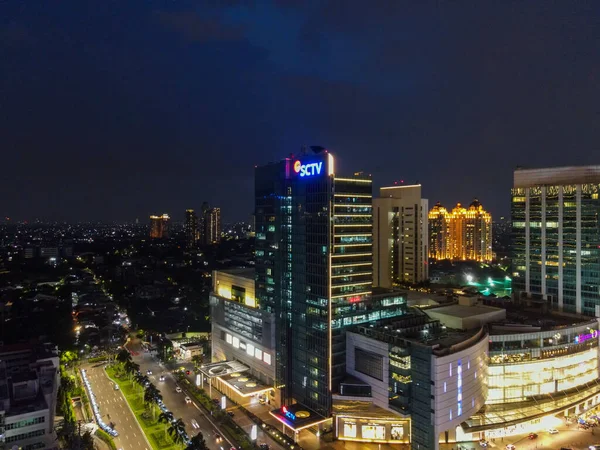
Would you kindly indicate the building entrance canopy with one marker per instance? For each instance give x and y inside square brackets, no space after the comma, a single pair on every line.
[221,369]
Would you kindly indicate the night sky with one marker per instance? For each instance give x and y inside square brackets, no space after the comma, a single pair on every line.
[113,110]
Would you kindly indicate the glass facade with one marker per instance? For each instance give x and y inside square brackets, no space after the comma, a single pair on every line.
[523,366]
[314,271]
[556,244]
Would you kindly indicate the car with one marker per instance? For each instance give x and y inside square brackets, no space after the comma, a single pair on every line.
[532,436]
[230,413]
[483,443]
[148,372]
[161,378]
[264,446]
[187,372]
[116,387]
[218,438]
[552,431]
[510,447]
[188,400]
[195,423]
[216,401]
[178,390]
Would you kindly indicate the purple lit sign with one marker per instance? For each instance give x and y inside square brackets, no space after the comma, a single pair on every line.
[585,337]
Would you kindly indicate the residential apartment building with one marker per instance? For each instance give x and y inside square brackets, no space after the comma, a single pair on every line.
[400,236]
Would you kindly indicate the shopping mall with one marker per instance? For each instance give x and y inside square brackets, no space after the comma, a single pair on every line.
[468,371]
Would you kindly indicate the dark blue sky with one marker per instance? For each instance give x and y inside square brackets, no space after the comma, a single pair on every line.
[112,110]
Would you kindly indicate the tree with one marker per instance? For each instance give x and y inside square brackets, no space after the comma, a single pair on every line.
[176,430]
[151,397]
[123,356]
[131,368]
[166,418]
[197,443]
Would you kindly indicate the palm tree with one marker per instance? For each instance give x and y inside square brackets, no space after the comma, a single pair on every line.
[142,381]
[166,418]
[151,397]
[124,356]
[176,430]
[131,368]
[197,443]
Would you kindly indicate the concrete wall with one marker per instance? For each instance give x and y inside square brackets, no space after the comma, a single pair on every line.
[464,373]
[379,389]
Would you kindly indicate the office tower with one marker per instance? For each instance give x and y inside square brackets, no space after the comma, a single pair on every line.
[555,236]
[313,269]
[439,234]
[462,234]
[211,226]
[159,226]
[400,236]
[191,228]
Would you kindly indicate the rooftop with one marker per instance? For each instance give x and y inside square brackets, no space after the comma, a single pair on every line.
[240,272]
[538,320]
[464,311]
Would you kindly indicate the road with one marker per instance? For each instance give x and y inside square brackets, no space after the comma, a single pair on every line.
[112,404]
[190,413]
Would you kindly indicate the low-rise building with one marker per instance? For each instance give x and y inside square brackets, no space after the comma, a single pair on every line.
[28,389]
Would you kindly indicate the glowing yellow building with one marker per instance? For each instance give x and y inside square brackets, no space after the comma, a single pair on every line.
[159,226]
[461,234]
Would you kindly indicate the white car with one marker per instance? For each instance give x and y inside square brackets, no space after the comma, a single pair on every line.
[188,400]
[195,424]
[178,390]
[553,431]
[162,378]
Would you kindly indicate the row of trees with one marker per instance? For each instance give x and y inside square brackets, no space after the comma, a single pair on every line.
[174,428]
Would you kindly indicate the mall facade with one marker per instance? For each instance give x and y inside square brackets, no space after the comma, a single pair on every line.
[306,334]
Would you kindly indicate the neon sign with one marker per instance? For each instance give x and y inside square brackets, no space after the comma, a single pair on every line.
[585,337]
[290,415]
[308,170]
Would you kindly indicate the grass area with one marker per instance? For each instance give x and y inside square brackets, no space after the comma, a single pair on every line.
[106,438]
[154,431]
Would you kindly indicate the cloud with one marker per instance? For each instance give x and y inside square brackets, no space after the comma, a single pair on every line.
[198,29]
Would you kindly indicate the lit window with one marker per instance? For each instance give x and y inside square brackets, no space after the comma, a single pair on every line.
[444,386]
[228,338]
[258,353]
[236,342]
[450,414]
[267,358]
[450,370]
[250,349]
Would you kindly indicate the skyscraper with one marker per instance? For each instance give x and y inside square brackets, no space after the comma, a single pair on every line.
[313,269]
[400,236]
[159,226]
[191,228]
[211,226]
[464,234]
[556,236]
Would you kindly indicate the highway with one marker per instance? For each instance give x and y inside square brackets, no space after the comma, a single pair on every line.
[191,413]
[114,408]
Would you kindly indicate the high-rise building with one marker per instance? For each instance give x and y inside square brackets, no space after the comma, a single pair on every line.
[211,225]
[400,236]
[461,234]
[314,270]
[556,238]
[191,228]
[159,226]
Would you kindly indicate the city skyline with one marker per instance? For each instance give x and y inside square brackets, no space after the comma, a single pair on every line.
[95,109]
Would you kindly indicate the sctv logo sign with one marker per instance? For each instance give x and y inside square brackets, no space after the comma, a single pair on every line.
[308,170]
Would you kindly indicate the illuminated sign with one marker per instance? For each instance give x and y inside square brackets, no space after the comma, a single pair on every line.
[585,337]
[290,415]
[308,170]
